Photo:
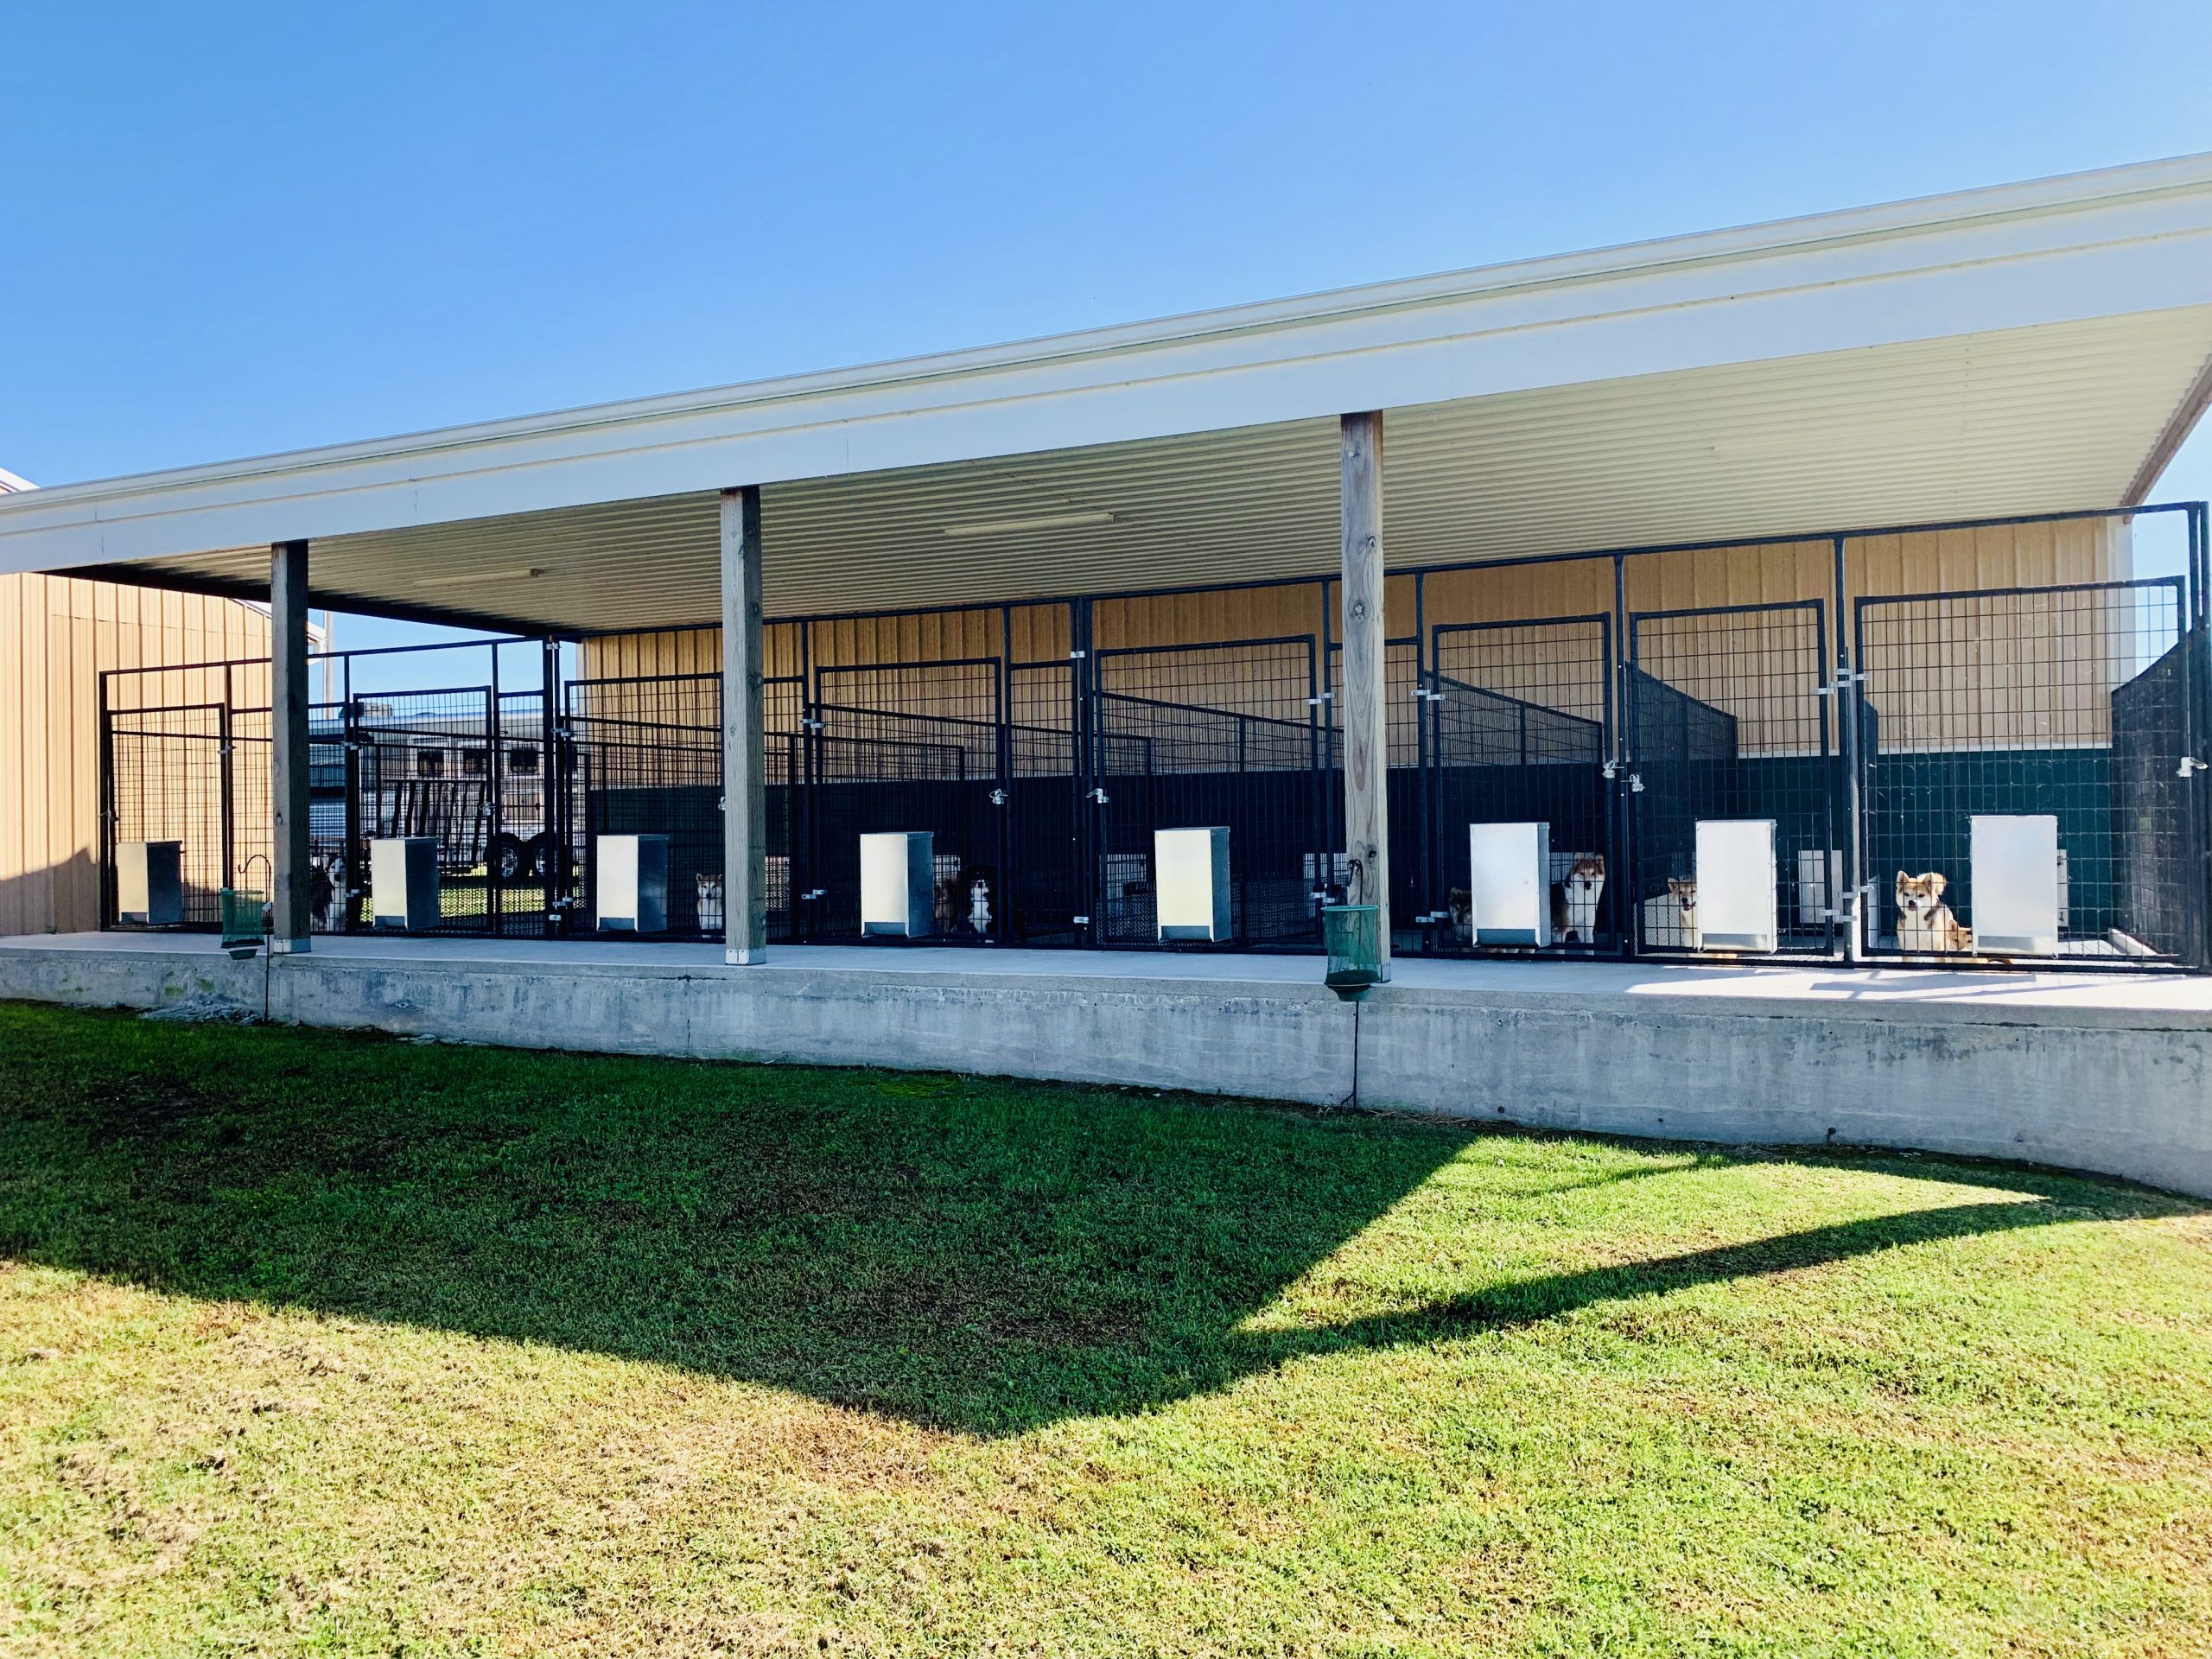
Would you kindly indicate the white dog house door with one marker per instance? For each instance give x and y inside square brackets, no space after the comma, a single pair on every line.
[149,883]
[403,882]
[632,884]
[1736,884]
[1509,884]
[1192,883]
[2015,868]
[899,883]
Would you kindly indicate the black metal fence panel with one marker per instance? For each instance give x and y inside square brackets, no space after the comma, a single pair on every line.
[1521,721]
[910,748]
[1729,720]
[2066,705]
[1225,735]
[1045,892]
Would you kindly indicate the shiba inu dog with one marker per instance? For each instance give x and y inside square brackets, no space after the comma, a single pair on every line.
[1682,890]
[1925,921]
[1574,901]
[711,903]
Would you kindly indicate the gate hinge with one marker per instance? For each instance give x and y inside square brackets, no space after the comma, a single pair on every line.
[2190,765]
[1075,655]
[1635,783]
[998,797]
[1080,921]
[1097,795]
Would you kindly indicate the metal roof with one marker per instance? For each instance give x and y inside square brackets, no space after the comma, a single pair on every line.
[2034,347]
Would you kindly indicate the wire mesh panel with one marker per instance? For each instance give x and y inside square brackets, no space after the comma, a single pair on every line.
[648,761]
[1402,706]
[169,780]
[1520,719]
[425,773]
[1212,736]
[911,747]
[1728,722]
[2067,703]
[1044,887]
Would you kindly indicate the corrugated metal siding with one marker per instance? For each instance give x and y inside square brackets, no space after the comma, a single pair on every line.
[1925,561]
[56,635]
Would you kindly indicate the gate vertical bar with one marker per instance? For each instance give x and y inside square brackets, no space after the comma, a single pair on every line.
[287,631]
[495,793]
[1007,875]
[107,802]
[2196,698]
[1627,912]
[227,786]
[553,837]
[1366,676]
[1845,908]
[1423,886]
[356,861]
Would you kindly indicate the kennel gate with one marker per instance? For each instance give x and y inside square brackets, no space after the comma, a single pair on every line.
[910,747]
[1729,718]
[2076,703]
[1520,728]
[1218,734]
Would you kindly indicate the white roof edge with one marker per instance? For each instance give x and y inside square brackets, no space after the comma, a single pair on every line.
[2036,197]
[14,483]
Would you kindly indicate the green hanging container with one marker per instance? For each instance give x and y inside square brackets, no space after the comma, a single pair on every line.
[242,914]
[1353,936]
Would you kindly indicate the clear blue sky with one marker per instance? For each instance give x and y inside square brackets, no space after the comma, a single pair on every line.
[230,230]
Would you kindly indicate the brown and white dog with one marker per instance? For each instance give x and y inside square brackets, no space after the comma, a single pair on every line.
[1925,921]
[1574,901]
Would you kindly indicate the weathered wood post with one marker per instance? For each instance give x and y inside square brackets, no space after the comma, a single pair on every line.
[1364,709]
[289,917]
[745,790]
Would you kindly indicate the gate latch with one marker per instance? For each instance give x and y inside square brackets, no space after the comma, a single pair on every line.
[1099,796]
[998,797]
[1635,783]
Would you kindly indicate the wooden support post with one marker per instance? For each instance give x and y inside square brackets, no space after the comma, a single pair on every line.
[288,694]
[1365,707]
[745,791]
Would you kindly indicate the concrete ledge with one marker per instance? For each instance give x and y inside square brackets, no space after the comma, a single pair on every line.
[2105,1075]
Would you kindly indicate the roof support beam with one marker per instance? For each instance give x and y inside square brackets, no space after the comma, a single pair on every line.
[744,785]
[288,840]
[1366,713]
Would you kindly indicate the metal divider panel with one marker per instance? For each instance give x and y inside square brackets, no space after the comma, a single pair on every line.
[1729,719]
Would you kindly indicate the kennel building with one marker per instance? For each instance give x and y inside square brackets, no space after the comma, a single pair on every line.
[1722,580]
[1869,719]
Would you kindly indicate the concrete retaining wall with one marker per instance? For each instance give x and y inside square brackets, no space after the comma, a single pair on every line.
[2101,1089]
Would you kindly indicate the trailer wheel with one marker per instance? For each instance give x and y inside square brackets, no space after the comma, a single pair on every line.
[509,858]
[537,856]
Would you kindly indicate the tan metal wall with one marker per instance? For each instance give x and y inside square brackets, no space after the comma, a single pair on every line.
[1928,561]
[57,634]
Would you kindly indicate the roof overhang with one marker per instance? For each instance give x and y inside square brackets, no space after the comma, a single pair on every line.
[2027,349]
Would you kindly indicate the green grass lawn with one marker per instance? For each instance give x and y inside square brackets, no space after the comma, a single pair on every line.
[334,1345]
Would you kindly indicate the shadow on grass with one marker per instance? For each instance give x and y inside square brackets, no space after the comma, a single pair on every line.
[981,1255]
